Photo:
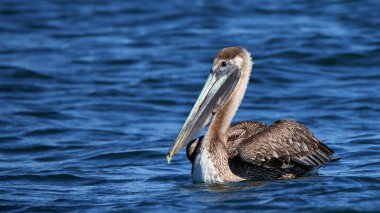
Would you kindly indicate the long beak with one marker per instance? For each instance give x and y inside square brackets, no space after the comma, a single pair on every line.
[215,93]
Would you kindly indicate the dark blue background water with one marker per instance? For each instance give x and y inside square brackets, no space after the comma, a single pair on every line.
[92,94]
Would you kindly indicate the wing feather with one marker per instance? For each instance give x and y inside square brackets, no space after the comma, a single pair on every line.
[287,141]
[240,131]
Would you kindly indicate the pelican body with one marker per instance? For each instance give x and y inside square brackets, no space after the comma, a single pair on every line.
[248,150]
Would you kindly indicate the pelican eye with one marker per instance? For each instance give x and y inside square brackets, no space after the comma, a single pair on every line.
[224,63]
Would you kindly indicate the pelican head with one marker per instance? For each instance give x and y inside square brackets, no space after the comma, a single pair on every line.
[231,65]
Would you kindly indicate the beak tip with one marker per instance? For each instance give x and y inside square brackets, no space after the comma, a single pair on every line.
[168,158]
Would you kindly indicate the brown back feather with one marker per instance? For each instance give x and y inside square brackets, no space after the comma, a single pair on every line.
[287,141]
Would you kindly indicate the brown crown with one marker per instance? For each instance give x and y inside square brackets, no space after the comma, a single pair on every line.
[229,53]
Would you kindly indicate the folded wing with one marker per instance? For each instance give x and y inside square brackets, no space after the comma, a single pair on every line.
[282,144]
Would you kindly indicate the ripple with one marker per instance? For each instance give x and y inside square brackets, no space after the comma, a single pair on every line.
[92,94]
[58,178]
[47,131]
[29,149]
[16,88]
[43,114]
[6,139]
[124,62]
[21,73]
[133,154]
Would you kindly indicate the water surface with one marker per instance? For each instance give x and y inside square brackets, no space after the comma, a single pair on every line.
[93,93]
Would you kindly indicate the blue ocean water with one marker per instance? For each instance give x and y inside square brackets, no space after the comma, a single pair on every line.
[93,93]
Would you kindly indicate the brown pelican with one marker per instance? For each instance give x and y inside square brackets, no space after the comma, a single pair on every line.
[249,150]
